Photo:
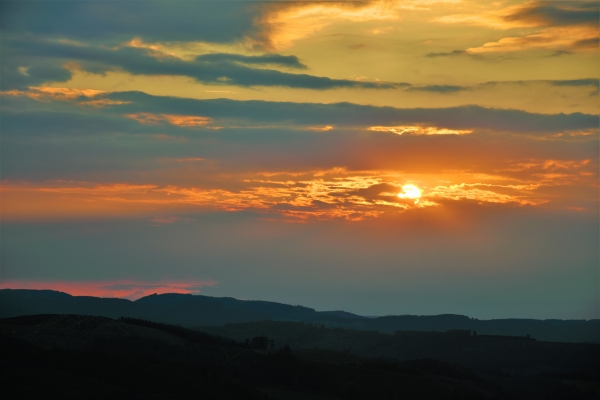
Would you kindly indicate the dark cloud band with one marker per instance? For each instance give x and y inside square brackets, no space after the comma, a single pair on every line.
[25,58]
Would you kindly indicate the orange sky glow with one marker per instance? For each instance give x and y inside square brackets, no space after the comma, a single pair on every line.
[287,121]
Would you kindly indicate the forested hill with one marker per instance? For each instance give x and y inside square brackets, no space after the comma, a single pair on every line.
[193,310]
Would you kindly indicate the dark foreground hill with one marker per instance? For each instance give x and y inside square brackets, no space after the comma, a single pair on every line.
[496,354]
[82,357]
[188,310]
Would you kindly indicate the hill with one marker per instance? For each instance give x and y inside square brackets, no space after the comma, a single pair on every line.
[192,310]
[503,354]
[77,356]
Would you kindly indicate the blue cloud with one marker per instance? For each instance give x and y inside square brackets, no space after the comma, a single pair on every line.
[232,69]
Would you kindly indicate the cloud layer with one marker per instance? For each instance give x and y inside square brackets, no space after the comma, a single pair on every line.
[437,156]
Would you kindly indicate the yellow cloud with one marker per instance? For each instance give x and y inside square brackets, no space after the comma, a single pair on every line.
[419,130]
[173,119]
[561,26]
[284,23]
[54,93]
[320,128]
[465,191]
[186,51]
[564,38]
[42,93]
[328,194]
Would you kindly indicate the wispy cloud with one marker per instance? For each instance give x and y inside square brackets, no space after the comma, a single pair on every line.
[553,25]
[283,23]
[326,194]
[419,130]
[55,61]
[127,288]
[178,120]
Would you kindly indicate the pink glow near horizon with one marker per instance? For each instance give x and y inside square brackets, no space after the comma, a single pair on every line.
[128,289]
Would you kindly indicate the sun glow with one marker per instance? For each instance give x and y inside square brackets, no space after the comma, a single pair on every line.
[410,192]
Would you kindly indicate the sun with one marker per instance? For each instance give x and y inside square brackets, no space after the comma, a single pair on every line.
[410,192]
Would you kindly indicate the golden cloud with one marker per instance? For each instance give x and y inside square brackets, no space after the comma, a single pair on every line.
[42,93]
[569,26]
[173,119]
[283,23]
[156,50]
[418,130]
[474,191]
[320,128]
[564,38]
[329,194]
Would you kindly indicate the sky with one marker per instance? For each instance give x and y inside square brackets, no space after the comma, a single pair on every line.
[381,157]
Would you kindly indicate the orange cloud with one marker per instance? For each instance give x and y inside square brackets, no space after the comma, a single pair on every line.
[418,130]
[529,15]
[568,26]
[555,172]
[64,94]
[156,50]
[327,194]
[320,128]
[41,93]
[564,38]
[173,119]
[283,23]
[474,191]
[129,289]
[68,200]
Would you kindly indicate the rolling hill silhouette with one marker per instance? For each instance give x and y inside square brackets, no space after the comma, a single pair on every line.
[82,356]
[195,310]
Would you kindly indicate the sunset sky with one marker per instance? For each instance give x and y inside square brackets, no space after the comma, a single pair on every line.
[383,157]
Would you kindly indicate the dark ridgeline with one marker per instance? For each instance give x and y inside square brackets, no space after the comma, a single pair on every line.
[265,350]
[198,337]
[74,356]
[189,311]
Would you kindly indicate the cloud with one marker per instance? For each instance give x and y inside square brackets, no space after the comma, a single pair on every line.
[418,130]
[13,76]
[447,54]
[558,40]
[282,23]
[561,26]
[100,162]
[320,128]
[249,114]
[178,120]
[484,193]
[266,59]
[37,55]
[446,89]
[438,88]
[543,14]
[314,194]
[565,82]
[554,13]
[587,44]
[353,115]
[128,289]
[561,39]
[119,21]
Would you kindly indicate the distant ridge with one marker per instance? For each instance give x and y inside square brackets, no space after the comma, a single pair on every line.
[342,314]
[196,310]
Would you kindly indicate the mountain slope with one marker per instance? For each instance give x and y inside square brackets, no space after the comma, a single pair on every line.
[190,310]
